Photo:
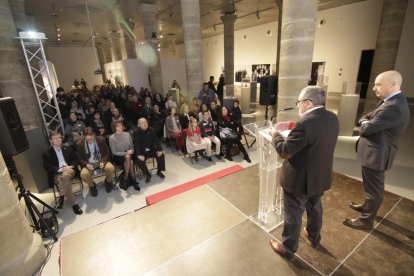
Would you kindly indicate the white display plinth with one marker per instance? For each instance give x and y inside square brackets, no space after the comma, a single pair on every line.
[270,214]
[245,100]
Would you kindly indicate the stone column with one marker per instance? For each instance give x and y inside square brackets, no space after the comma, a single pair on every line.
[388,40]
[21,251]
[228,23]
[190,14]
[114,38]
[129,40]
[149,22]
[15,81]
[101,56]
[296,51]
[106,46]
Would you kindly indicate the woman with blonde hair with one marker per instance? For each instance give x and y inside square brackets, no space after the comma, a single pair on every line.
[195,142]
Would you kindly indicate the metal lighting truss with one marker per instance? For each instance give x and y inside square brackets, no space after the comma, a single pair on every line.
[32,44]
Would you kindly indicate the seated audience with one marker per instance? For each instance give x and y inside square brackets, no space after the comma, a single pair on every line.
[61,166]
[147,109]
[228,135]
[195,142]
[97,124]
[185,116]
[94,157]
[206,94]
[73,129]
[170,103]
[158,121]
[208,134]
[159,101]
[146,145]
[203,108]
[122,148]
[77,109]
[236,115]
[215,110]
[174,129]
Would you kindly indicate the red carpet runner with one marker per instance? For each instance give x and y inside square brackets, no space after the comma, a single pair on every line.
[191,185]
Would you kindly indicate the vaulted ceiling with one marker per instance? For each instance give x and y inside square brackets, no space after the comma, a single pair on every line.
[107,15]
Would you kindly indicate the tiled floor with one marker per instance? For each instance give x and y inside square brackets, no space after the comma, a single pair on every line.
[206,231]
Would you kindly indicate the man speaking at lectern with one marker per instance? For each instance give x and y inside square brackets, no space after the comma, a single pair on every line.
[307,169]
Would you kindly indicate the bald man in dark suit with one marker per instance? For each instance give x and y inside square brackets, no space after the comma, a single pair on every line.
[307,169]
[380,131]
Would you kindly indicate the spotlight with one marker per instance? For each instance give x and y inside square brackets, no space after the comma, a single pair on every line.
[58,29]
[58,35]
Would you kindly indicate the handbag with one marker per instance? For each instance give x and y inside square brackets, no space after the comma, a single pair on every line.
[227,133]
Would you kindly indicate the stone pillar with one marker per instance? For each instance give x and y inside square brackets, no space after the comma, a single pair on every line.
[296,51]
[101,56]
[388,40]
[106,46]
[228,23]
[190,14]
[21,251]
[129,40]
[15,80]
[114,38]
[149,22]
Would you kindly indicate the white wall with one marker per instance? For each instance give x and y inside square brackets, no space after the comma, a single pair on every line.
[74,63]
[404,64]
[256,48]
[174,69]
[134,72]
[348,30]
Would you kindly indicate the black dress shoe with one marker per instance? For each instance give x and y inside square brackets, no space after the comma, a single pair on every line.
[59,204]
[136,186]
[108,186]
[209,159]
[356,207]
[148,179]
[247,159]
[228,157]
[94,191]
[161,175]
[218,156]
[77,209]
[357,224]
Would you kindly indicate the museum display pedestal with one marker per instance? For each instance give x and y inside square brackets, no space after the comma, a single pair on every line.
[270,214]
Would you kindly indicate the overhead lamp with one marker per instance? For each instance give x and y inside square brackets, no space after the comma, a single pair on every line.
[97,71]
[257,16]
[214,27]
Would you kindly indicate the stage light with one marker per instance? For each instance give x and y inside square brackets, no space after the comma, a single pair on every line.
[32,35]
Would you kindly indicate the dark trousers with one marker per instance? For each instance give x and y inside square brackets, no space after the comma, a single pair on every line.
[229,142]
[160,163]
[294,207]
[374,190]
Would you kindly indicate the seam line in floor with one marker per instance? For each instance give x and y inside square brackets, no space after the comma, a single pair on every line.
[198,244]
[366,237]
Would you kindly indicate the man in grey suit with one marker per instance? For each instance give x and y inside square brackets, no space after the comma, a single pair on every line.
[377,146]
[307,169]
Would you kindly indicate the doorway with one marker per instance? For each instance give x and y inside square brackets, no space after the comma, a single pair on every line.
[364,71]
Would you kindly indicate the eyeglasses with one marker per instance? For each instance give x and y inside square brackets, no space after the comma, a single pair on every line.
[299,101]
